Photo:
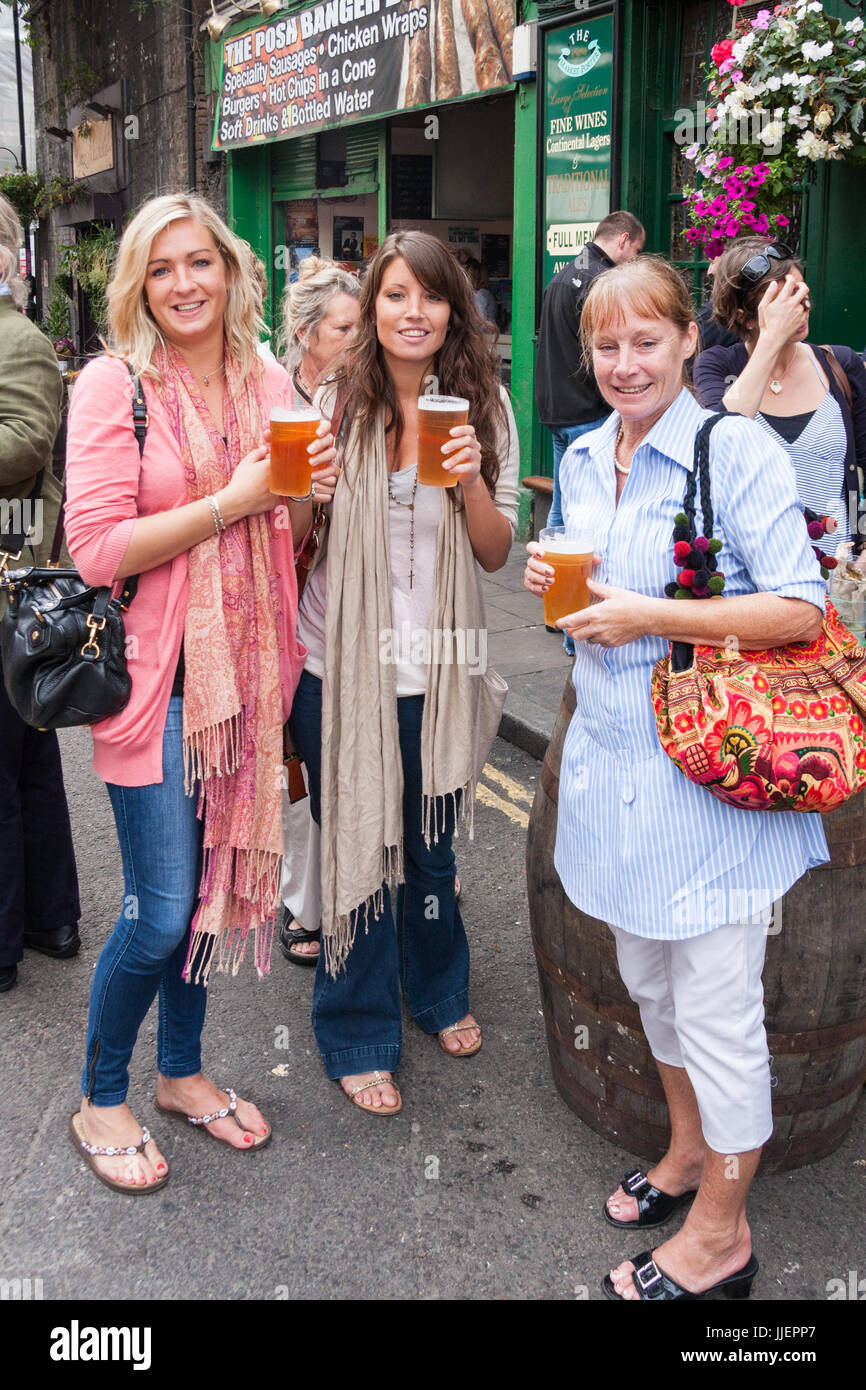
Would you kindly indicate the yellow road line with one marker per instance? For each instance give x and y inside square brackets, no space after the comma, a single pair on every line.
[514,789]
[489,798]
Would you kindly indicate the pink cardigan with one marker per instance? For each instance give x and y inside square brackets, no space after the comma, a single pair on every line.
[107,488]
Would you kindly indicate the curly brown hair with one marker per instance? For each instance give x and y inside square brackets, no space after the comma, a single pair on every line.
[464,364]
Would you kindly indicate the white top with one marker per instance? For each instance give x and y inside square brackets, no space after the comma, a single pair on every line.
[412,607]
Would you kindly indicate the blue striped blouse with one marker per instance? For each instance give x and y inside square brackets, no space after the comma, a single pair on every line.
[638,845]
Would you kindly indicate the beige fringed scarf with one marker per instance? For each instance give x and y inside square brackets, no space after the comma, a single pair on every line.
[362,779]
[232,707]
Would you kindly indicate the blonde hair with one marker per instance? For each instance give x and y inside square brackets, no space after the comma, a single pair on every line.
[306,302]
[11,239]
[132,331]
[647,286]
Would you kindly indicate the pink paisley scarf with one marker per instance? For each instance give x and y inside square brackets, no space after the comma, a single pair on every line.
[232,706]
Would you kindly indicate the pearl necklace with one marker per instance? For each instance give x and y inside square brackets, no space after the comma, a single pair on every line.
[616,463]
[411,505]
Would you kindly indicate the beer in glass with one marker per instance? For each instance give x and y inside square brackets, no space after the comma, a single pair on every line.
[437,415]
[291,466]
[570,554]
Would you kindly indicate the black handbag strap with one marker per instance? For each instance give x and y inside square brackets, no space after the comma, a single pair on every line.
[682,653]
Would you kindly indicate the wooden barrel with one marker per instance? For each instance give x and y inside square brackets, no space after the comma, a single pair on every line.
[814,986]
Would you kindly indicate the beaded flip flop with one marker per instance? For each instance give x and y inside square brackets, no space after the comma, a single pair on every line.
[231,1109]
[91,1151]
[379,1080]
[464,1051]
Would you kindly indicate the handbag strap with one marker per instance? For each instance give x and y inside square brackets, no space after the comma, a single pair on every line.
[694,553]
[840,375]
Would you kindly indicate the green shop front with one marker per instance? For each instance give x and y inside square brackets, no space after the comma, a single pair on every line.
[344,120]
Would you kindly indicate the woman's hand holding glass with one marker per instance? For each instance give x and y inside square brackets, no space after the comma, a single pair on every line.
[462,455]
[618,617]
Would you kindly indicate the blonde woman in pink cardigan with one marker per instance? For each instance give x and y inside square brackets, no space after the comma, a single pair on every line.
[192,763]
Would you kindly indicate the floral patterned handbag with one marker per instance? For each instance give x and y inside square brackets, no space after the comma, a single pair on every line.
[776,730]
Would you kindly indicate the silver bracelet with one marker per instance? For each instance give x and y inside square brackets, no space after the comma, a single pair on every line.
[219,524]
[309,497]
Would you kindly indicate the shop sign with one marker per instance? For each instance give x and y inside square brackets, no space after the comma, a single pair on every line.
[348,59]
[92,148]
[577,114]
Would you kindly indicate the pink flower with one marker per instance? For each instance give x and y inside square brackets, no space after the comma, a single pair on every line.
[726,161]
[757,179]
[731,227]
[737,76]
[701,208]
[692,234]
[746,206]
[747,220]
[762,226]
[761,20]
[742,170]
[727,66]
[718,207]
[734,188]
[783,221]
[736,2]
[715,248]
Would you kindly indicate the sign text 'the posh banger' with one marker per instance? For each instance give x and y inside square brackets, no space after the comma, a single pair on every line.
[348,58]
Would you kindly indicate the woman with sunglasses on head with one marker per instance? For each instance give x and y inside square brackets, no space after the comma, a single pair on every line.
[394,732]
[791,387]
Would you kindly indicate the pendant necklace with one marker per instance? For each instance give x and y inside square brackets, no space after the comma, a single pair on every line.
[616,463]
[411,505]
[206,376]
[776,382]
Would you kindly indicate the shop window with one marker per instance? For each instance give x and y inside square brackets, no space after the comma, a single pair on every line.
[331,159]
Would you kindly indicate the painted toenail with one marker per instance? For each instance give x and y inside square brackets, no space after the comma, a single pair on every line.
[160,1167]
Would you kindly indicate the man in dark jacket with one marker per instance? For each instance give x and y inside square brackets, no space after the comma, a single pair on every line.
[566,395]
[39,904]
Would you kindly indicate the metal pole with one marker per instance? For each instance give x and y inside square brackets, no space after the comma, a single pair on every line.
[20,86]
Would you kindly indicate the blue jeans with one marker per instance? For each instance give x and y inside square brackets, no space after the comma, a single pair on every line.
[561,440]
[160,844]
[357,1017]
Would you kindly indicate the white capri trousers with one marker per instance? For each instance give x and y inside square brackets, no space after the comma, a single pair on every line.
[701,1004]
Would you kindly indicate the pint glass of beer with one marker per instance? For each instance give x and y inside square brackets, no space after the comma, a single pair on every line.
[436,416]
[291,465]
[570,553]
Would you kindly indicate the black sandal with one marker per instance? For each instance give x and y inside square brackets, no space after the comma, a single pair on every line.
[654,1285]
[296,936]
[654,1206]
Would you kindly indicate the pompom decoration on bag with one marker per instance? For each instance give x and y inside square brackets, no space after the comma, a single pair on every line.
[776,730]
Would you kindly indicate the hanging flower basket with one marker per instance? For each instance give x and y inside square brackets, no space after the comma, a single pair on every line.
[787,90]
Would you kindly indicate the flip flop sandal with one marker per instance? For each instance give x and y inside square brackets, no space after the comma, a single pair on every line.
[464,1051]
[654,1207]
[379,1080]
[298,936]
[91,1151]
[231,1109]
[655,1286]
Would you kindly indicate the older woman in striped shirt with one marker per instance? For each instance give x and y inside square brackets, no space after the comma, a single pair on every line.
[676,873]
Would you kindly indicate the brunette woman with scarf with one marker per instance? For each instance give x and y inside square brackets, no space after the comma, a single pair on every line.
[393,743]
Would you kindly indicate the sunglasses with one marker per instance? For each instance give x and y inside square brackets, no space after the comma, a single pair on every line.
[756,268]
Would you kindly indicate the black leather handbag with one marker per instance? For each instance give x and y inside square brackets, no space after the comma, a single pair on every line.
[62,641]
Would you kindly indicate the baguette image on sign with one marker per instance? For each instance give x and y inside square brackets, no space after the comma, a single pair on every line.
[350,58]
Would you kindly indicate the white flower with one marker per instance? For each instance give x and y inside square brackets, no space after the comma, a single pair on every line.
[843,140]
[773,133]
[823,119]
[710,159]
[854,26]
[789,79]
[774,83]
[810,147]
[742,46]
[758,88]
[814,52]
[815,6]
[858,65]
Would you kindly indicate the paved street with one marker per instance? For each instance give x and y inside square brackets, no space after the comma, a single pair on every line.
[484,1187]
